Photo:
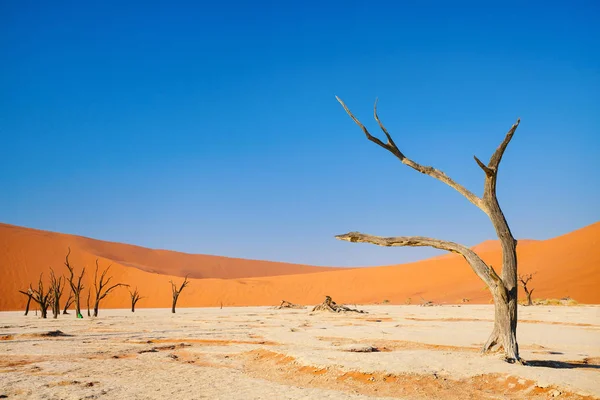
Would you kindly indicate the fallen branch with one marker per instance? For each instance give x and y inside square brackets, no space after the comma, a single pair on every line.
[332,306]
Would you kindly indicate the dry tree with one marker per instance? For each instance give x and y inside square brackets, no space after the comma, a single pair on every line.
[135,297]
[29,294]
[502,287]
[41,297]
[68,303]
[524,280]
[76,285]
[102,288]
[176,292]
[56,290]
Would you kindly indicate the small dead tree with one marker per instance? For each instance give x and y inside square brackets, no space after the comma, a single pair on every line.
[524,280]
[29,295]
[177,292]
[56,289]
[68,303]
[102,288]
[135,297]
[504,287]
[41,297]
[76,285]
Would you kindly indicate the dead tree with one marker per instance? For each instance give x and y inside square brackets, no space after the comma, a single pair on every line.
[177,292]
[524,280]
[76,285]
[41,297]
[56,290]
[135,297]
[504,287]
[101,287]
[68,303]
[29,295]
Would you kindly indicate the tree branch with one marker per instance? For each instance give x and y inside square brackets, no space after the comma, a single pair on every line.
[497,156]
[392,148]
[485,272]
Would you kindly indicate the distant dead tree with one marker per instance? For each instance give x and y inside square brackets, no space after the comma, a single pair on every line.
[56,290]
[524,280]
[29,294]
[68,303]
[76,285]
[41,297]
[102,288]
[503,288]
[177,292]
[135,297]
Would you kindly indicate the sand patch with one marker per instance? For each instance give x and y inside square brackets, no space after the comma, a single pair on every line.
[283,368]
[395,345]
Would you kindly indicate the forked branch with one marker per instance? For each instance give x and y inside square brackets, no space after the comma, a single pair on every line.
[177,292]
[392,148]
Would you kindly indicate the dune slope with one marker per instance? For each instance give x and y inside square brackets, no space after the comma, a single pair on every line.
[566,266]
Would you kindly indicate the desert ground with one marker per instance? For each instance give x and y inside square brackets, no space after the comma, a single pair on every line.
[407,352]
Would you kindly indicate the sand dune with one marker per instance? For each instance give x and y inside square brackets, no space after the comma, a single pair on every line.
[566,266]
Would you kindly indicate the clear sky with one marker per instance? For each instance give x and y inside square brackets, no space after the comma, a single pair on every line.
[213,128]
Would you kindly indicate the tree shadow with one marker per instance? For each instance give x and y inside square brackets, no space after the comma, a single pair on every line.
[561,364]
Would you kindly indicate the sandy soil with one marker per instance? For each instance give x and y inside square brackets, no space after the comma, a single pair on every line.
[263,353]
[565,266]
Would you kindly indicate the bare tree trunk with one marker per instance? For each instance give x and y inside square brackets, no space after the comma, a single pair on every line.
[29,295]
[175,297]
[88,304]
[76,285]
[27,306]
[77,305]
[528,294]
[504,288]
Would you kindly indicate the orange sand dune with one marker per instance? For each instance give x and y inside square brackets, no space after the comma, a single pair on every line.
[566,266]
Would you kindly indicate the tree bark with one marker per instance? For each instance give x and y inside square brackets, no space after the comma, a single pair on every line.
[504,287]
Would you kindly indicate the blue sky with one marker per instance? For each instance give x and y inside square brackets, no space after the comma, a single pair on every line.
[213,128]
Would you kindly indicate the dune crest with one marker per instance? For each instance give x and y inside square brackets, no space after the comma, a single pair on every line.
[566,266]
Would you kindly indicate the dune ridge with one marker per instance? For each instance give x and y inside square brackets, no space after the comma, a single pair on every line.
[567,265]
